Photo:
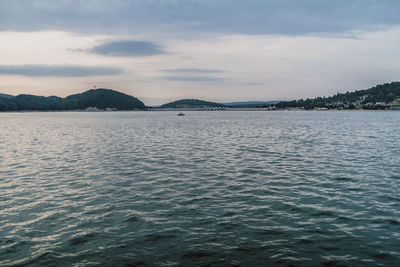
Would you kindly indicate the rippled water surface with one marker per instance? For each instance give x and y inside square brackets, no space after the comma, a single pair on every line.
[210,188]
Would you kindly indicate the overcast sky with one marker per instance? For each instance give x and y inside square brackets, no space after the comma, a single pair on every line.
[219,50]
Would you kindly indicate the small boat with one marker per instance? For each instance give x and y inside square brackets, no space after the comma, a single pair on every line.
[181,114]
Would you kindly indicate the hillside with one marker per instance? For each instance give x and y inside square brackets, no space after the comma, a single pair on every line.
[251,104]
[104,98]
[6,96]
[99,98]
[191,103]
[378,97]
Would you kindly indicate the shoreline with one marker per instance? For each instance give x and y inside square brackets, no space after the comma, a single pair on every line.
[196,109]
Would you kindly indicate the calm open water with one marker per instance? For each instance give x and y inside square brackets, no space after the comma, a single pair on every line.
[211,188]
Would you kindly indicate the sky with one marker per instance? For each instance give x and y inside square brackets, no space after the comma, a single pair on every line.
[217,50]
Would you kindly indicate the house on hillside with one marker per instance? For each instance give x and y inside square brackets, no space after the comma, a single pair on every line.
[381,105]
[395,105]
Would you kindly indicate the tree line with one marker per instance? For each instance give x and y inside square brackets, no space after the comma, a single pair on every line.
[381,94]
[99,98]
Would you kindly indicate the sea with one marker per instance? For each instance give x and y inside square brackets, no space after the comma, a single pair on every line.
[211,188]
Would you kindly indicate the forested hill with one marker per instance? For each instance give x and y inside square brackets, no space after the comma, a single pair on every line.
[191,103]
[378,96]
[251,104]
[5,95]
[99,98]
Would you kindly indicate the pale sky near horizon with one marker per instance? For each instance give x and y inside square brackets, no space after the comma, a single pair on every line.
[218,50]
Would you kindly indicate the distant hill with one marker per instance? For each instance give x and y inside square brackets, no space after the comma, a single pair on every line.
[379,96]
[99,98]
[104,98]
[6,96]
[191,103]
[251,104]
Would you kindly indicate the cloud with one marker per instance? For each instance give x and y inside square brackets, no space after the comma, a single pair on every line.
[210,79]
[127,48]
[205,79]
[58,70]
[250,83]
[191,17]
[190,70]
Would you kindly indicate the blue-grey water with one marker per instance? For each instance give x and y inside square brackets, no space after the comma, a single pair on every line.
[207,189]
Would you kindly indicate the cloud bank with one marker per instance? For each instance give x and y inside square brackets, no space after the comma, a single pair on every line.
[193,70]
[58,70]
[189,17]
[206,79]
[128,48]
